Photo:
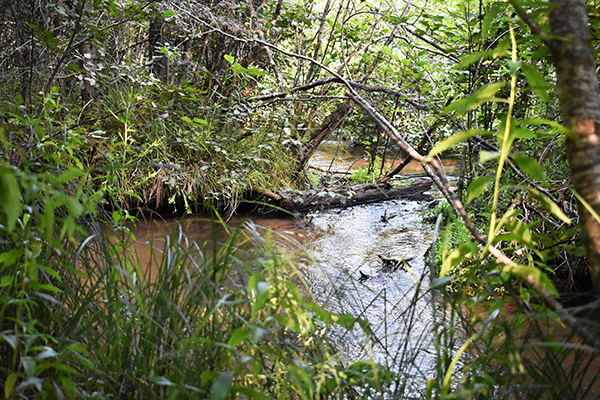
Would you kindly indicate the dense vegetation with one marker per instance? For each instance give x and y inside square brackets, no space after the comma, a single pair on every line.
[109,108]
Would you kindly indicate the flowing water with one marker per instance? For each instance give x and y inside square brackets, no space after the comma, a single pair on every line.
[394,303]
[343,246]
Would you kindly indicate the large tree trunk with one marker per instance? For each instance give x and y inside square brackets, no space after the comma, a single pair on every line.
[580,103]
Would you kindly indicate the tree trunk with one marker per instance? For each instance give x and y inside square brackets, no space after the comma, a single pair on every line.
[348,196]
[329,124]
[159,63]
[580,104]
[88,64]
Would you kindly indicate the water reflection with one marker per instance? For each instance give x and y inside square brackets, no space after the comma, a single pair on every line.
[395,304]
[339,157]
[340,244]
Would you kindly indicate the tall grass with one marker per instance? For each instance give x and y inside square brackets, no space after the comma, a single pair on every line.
[81,317]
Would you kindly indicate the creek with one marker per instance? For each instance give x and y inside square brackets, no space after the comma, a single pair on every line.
[339,246]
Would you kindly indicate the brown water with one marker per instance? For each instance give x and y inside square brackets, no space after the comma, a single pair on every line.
[341,245]
[338,157]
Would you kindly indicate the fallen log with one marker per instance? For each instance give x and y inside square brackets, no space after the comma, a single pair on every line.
[349,195]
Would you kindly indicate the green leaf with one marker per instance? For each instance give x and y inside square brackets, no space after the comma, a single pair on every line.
[454,139]
[451,260]
[229,58]
[485,156]
[7,280]
[513,66]
[288,322]
[9,384]
[168,14]
[488,19]
[199,122]
[10,257]
[256,71]
[386,50]
[472,58]
[587,206]
[67,176]
[483,94]
[237,336]
[237,67]
[477,187]
[524,271]
[548,204]
[250,393]
[536,81]
[10,197]
[221,385]
[522,132]
[529,166]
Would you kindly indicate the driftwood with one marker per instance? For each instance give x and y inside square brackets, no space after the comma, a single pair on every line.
[348,195]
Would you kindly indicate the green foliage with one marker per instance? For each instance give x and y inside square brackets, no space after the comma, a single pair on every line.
[182,125]
[361,175]
[81,313]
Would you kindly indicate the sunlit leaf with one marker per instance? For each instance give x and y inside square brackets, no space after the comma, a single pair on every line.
[228,58]
[9,385]
[524,271]
[483,94]
[10,197]
[452,259]
[547,203]
[477,187]
[256,71]
[485,156]
[237,67]
[47,353]
[454,139]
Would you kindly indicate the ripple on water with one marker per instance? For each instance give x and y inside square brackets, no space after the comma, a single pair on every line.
[394,303]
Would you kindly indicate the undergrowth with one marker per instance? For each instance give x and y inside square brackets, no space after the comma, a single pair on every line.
[82,317]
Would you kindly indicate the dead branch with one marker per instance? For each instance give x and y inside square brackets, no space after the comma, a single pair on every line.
[434,170]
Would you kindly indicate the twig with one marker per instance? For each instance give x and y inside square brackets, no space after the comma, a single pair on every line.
[549,298]
[434,170]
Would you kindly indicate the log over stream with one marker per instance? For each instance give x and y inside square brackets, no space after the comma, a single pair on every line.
[306,201]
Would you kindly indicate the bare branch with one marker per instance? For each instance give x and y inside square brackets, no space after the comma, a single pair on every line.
[527,19]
